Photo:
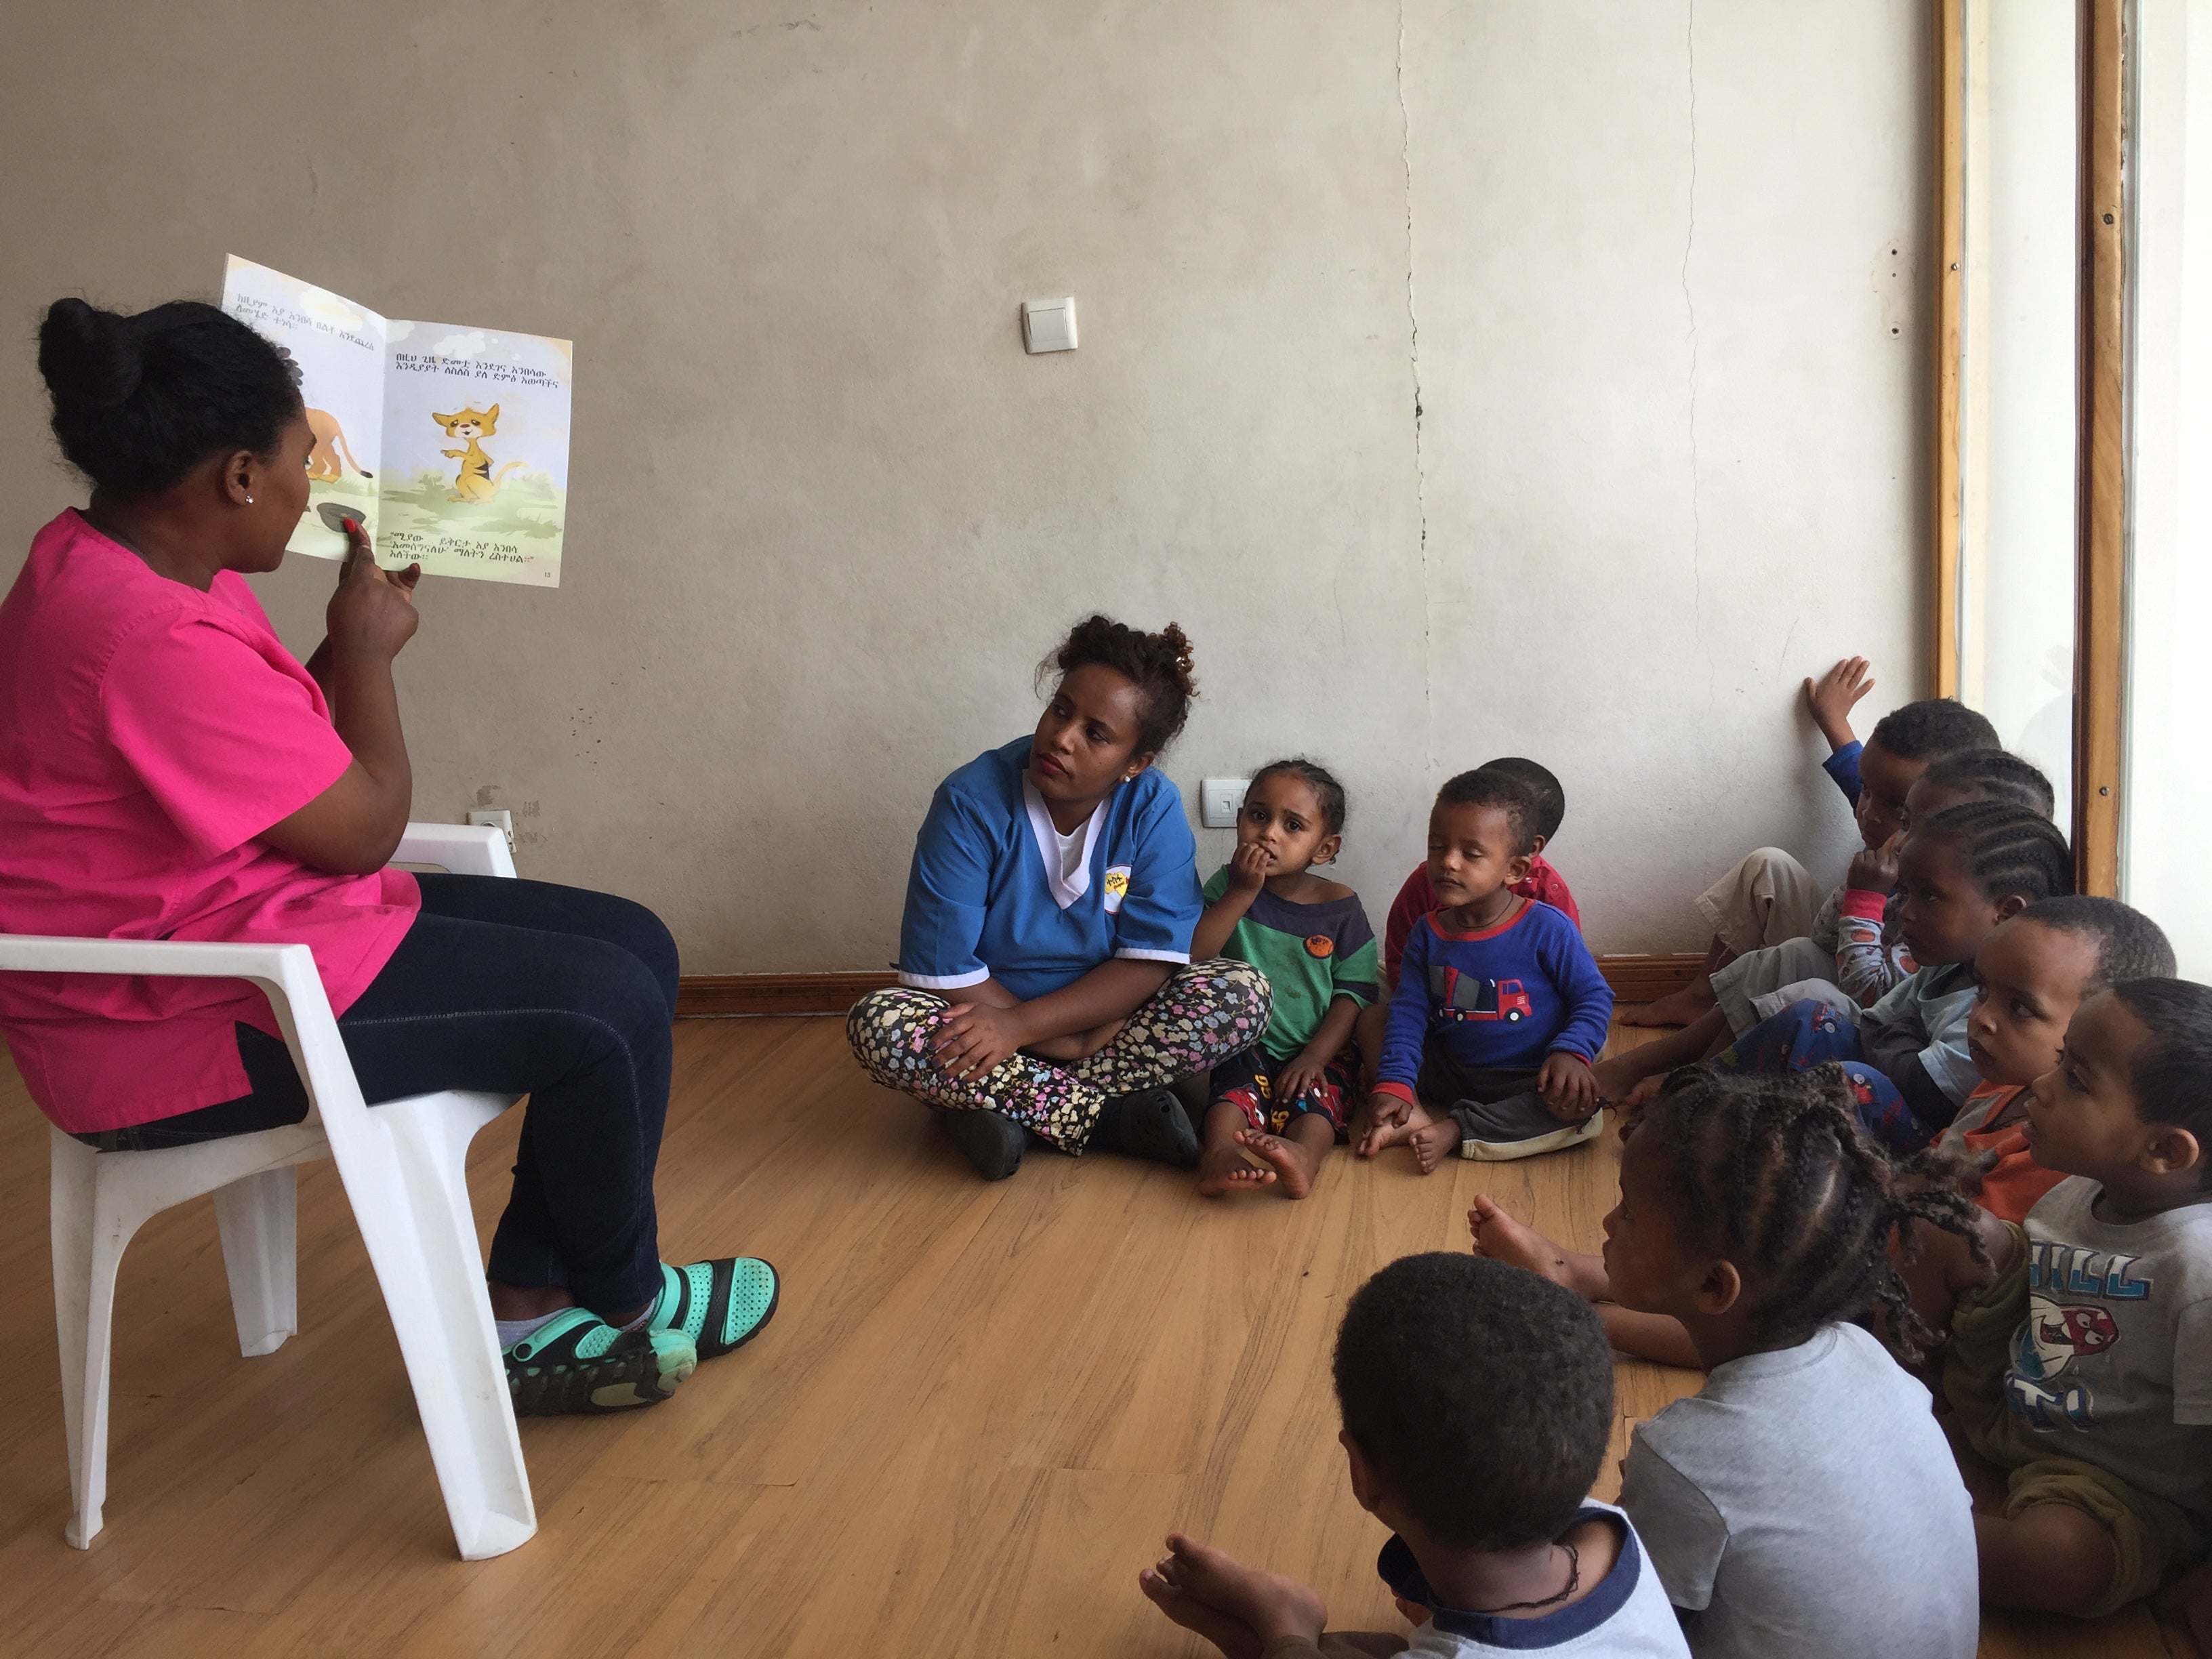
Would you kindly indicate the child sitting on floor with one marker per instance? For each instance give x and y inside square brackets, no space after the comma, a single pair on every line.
[1287,1101]
[1961,872]
[2083,1363]
[1478,1404]
[1500,1008]
[1803,1501]
[2032,973]
[1770,928]
[1543,884]
[1870,942]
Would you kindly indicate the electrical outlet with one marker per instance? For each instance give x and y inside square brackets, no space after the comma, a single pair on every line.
[500,818]
[1218,799]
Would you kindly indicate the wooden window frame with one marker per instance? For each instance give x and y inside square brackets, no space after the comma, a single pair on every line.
[2102,407]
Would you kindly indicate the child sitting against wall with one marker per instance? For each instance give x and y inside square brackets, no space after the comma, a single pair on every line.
[2081,1355]
[2030,973]
[1961,872]
[1869,942]
[1477,1402]
[1544,883]
[1499,1009]
[1287,1101]
[1767,931]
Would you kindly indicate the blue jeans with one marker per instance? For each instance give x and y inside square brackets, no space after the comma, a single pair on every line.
[512,987]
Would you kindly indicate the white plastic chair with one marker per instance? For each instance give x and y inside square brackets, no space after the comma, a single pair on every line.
[402,1168]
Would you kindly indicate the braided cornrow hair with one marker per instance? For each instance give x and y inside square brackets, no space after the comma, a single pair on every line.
[1777,1175]
[2010,850]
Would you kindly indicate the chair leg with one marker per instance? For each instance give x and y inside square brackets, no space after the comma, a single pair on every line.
[406,1180]
[87,1249]
[259,1220]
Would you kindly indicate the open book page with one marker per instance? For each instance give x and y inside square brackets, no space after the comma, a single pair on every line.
[476,453]
[339,348]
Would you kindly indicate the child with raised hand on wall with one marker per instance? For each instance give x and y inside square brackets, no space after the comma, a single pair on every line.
[1543,882]
[1276,1108]
[2083,1363]
[1771,928]
[1499,1009]
[1961,872]
[1477,1405]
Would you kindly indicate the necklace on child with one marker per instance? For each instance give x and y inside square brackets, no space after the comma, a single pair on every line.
[1574,1578]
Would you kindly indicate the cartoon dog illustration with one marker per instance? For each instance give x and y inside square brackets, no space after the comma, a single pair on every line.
[329,444]
[477,481]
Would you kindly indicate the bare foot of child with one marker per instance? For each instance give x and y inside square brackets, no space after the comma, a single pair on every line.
[1385,1133]
[1500,1237]
[1435,1142]
[1242,1608]
[1223,1169]
[1677,1007]
[1297,1166]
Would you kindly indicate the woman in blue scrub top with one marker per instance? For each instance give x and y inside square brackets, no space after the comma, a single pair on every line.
[1045,978]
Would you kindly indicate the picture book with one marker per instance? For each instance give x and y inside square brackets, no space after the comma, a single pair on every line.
[449,444]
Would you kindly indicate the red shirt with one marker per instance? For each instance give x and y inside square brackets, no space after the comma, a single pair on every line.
[2016,1181]
[1416,899]
[148,734]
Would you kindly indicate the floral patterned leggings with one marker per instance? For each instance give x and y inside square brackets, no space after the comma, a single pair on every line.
[1206,1012]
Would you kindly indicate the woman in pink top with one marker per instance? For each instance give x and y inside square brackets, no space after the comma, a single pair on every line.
[168,770]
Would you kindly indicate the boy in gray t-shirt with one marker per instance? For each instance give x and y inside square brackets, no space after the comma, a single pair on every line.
[2085,1365]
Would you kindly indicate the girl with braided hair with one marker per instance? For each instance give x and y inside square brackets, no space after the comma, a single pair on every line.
[1960,874]
[1046,985]
[1804,1500]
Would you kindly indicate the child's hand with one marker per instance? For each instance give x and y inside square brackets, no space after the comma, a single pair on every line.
[1834,695]
[1304,1076]
[1248,868]
[1569,1089]
[1873,869]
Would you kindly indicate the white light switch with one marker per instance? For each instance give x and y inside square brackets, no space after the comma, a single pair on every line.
[1048,324]
[1218,799]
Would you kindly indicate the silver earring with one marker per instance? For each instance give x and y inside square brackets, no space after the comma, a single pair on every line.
[249,501]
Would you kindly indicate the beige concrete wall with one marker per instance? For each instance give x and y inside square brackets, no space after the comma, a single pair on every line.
[826,514]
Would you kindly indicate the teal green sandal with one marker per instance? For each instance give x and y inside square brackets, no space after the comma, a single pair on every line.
[720,1305]
[577,1362]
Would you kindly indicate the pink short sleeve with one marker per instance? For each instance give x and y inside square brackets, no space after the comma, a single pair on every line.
[228,736]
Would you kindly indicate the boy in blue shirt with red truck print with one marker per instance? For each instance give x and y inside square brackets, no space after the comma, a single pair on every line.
[1500,1010]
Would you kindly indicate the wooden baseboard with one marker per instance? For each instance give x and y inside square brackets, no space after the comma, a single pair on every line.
[712,996]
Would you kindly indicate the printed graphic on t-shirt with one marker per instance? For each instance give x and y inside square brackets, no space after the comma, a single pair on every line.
[2056,1335]
[1460,997]
[1321,947]
[1117,887]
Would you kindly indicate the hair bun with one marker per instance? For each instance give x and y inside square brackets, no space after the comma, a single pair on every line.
[88,357]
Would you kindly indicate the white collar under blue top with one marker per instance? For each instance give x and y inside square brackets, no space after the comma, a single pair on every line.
[1064,892]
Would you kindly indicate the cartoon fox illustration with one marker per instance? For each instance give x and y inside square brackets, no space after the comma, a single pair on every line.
[329,444]
[476,481]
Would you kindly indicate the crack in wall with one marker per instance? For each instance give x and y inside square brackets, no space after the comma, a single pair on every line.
[1413,355]
[1689,307]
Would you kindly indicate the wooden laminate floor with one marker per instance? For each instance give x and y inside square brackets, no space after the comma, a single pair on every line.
[977,1412]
